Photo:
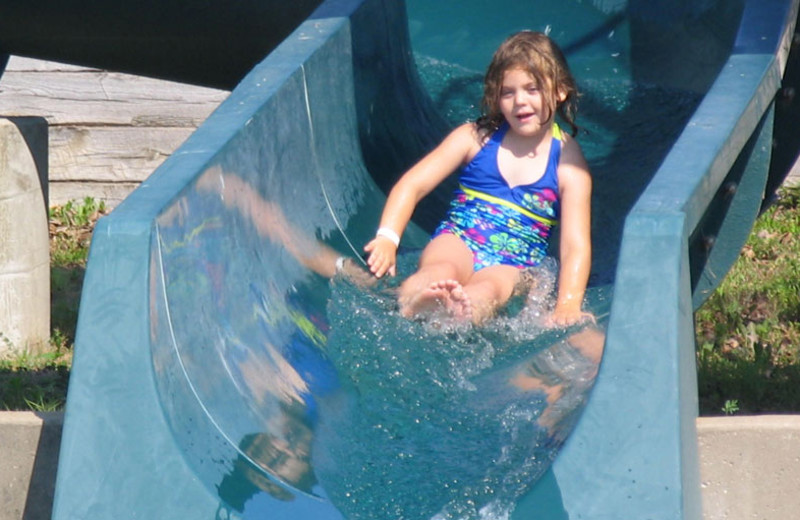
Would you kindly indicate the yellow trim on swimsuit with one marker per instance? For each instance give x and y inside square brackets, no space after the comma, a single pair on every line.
[557,132]
[508,204]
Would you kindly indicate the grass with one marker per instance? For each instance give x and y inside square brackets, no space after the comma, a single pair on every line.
[35,382]
[38,381]
[748,332]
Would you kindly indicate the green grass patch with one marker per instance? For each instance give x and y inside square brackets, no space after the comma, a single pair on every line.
[748,332]
[35,382]
[71,227]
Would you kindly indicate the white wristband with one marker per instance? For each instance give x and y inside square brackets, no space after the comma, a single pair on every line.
[390,234]
[340,264]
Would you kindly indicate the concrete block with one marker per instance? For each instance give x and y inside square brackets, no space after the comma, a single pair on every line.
[29,445]
[750,467]
[25,244]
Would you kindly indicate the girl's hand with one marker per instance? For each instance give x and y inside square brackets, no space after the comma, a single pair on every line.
[563,317]
[382,257]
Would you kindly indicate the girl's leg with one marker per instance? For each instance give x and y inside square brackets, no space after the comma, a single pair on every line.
[490,288]
[445,265]
[445,280]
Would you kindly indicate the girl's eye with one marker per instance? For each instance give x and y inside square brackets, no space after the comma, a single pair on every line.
[533,90]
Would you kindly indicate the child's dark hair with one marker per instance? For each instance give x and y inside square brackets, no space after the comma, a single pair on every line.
[539,56]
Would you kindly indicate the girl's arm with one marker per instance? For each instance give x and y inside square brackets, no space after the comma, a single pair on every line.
[575,186]
[417,182]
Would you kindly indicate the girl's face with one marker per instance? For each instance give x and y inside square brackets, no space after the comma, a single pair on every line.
[522,102]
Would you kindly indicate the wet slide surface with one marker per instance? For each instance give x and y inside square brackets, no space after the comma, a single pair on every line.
[226,368]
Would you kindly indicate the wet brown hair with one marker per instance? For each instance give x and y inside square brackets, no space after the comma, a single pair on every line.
[536,54]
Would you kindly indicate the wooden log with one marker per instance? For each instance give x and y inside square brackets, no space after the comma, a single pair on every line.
[102,98]
[110,154]
[108,131]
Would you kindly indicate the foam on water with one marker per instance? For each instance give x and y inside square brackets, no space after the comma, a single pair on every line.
[444,422]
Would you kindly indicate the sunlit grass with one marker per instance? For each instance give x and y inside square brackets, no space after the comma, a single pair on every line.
[36,381]
[748,332]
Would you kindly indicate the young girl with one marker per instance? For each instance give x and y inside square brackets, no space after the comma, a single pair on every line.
[522,177]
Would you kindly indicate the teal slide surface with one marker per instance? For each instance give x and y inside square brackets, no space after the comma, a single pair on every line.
[226,368]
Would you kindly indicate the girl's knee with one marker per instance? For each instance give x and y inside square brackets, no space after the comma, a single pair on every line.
[429,274]
[499,281]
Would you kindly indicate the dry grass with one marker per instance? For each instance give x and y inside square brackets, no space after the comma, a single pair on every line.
[748,333]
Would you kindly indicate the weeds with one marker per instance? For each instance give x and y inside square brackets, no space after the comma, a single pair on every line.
[35,382]
[749,329]
[39,381]
[71,228]
[730,407]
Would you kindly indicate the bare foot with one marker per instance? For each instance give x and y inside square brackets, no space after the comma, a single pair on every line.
[444,296]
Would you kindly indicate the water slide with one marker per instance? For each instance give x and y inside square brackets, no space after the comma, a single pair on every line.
[227,365]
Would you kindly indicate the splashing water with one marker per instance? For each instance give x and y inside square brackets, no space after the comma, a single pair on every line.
[447,423]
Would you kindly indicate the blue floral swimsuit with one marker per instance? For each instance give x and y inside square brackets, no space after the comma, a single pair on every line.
[500,224]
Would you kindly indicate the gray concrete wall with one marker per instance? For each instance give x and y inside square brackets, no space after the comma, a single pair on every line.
[750,466]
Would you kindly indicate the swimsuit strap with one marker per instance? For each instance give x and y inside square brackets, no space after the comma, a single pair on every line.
[497,137]
[557,132]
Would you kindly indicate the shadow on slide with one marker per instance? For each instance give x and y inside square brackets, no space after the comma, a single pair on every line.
[229,365]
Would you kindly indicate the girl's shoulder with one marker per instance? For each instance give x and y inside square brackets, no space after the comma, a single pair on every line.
[571,150]
[469,136]
[467,131]
[572,167]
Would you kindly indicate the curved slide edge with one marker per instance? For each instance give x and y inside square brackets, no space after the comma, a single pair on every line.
[635,448]
[121,455]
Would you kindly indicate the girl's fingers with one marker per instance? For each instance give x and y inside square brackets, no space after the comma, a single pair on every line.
[382,267]
[567,319]
[380,261]
[377,264]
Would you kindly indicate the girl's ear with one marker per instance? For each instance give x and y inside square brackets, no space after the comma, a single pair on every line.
[562,96]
